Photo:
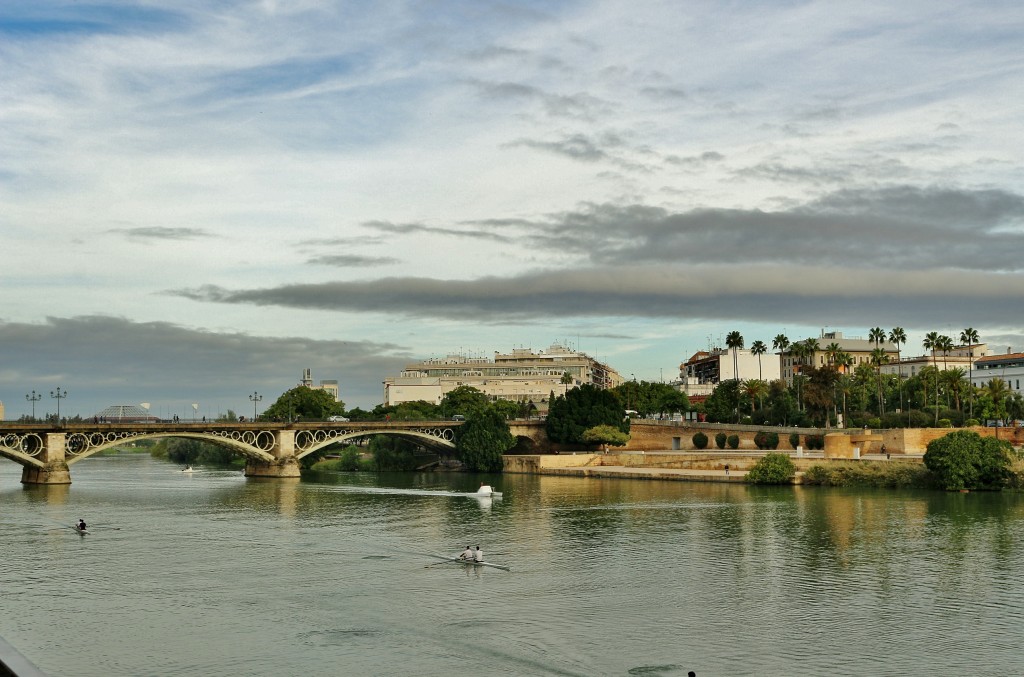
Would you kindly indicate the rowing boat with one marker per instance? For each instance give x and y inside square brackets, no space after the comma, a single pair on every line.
[469,562]
[81,532]
[488,490]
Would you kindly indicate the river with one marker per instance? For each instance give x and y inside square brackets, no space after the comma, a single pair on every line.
[214,574]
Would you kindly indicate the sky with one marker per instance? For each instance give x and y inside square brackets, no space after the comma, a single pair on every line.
[201,198]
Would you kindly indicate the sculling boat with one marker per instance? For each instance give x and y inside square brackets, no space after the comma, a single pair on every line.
[470,562]
[188,469]
[488,490]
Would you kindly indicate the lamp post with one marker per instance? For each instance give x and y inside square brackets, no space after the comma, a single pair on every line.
[58,395]
[256,398]
[33,399]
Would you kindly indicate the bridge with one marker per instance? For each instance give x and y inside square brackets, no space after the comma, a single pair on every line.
[46,453]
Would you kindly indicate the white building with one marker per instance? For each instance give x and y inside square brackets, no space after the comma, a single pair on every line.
[1009,367]
[961,357]
[519,376]
[705,370]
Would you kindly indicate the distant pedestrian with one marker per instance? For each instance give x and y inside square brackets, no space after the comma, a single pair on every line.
[726,469]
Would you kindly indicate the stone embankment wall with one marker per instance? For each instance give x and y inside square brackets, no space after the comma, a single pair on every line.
[664,435]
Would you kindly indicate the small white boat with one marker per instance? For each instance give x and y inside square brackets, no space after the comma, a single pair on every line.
[488,490]
[187,469]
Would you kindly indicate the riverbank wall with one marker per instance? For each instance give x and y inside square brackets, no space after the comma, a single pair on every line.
[730,466]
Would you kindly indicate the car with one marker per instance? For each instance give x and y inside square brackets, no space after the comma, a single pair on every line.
[458,417]
[337,419]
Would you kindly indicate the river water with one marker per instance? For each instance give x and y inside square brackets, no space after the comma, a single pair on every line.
[214,574]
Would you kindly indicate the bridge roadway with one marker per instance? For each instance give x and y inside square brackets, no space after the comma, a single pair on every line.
[46,453]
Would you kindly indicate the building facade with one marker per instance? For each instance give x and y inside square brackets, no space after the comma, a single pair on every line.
[329,385]
[961,357]
[859,349]
[1009,367]
[699,375]
[520,376]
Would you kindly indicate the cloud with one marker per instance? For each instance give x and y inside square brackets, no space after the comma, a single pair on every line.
[351,260]
[154,233]
[762,293]
[413,228]
[579,105]
[104,360]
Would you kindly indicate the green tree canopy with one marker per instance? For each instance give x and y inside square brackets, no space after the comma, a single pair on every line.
[965,460]
[464,400]
[302,403]
[570,415]
[605,434]
[482,439]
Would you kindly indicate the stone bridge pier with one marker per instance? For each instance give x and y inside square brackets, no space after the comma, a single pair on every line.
[284,463]
[53,468]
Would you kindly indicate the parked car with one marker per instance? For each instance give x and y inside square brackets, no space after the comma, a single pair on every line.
[337,419]
[458,417]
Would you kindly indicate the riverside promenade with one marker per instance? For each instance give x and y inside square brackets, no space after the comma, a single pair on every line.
[680,466]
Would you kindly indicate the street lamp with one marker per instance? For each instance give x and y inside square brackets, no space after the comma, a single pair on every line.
[58,395]
[33,399]
[256,398]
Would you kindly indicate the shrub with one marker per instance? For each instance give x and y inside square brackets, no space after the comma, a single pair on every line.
[772,469]
[869,474]
[945,423]
[794,440]
[766,440]
[720,440]
[874,423]
[965,460]
[971,422]
[773,441]
[814,442]
[733,441]
[700,441]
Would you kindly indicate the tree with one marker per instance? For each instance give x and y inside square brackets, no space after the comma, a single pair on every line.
[721,404]
[997,390]
[570,415]
[878,358]
[464,400]
[965,460]
[758,348]
[301,402]
[605,434]
[897,337]
[482,440]
[931,342]
[734,340]
[969,337]
[754,389]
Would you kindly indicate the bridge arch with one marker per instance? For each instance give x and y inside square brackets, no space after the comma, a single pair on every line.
[23,448]
[311,441]
[249,443]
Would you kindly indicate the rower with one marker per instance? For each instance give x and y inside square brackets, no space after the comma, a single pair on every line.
[81,525]
[478,556]
[467,554]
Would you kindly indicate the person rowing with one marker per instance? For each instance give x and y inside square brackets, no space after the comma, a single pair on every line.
[81,526]
[478,556]
[467,554]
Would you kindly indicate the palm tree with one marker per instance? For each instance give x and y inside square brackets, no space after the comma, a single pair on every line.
[878,358]
[877,336]
[755,389]
[998,391]
[798,350]
[758,348]
[781,343]
[945,345]
[832,351]
[969,337]
[932,342]
[898,336]
[953,380]
[845,361]
[734,340]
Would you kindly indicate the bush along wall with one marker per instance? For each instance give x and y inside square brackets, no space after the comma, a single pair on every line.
[700,441]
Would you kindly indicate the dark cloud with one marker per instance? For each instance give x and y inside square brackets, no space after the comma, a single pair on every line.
[411,228]
[664,93]
[695,161]
[766,292]
[576,147]
[162,233]
[351,260]
[890,228]
[105,360]
[579,105]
